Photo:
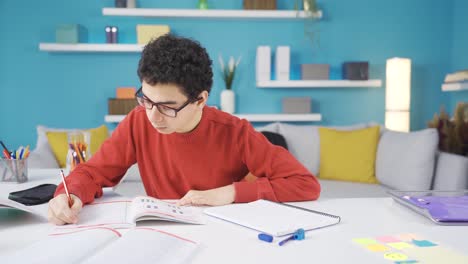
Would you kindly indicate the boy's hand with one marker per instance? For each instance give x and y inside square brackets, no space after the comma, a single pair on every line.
[60,213]
[219,196]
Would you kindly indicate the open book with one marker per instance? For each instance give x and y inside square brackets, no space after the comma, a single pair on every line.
[273,218]
[123,213]
[106,245]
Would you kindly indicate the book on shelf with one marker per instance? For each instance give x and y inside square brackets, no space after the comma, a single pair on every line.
[125,213]
[106,245]
[458,76]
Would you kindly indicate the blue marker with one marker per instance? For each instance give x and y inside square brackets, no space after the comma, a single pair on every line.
[298,235]
[265,237]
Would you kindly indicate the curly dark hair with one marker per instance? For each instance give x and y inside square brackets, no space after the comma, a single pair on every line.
[176,60]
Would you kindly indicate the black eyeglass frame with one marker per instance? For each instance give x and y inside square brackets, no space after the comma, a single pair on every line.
[140,95]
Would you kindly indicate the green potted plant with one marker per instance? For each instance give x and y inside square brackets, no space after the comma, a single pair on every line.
[228,72]
[312,13]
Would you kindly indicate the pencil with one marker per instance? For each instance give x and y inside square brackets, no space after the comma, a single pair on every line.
[70,202]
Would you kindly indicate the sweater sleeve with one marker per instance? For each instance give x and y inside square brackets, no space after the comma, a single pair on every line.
[106,167]
[281,177]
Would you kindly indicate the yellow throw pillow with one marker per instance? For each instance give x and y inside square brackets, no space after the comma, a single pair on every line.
[58,141]
[348,155]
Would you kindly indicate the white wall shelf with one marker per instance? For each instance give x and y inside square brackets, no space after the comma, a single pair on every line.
[319,84]
[447,87]
[250,117]
[213,13]
[88,47]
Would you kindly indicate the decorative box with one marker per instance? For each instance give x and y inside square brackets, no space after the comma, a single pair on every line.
[315,71]
[260,4]
[121,106]
[145,33]
[70,33]
[297,105]
[358,70]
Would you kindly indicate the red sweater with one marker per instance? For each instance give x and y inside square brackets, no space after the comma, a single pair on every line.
[220,151]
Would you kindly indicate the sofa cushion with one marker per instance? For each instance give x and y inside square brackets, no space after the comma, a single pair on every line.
[451,172]
[342,189]
[273,127]
[304,143]
[348,155]
[406,160]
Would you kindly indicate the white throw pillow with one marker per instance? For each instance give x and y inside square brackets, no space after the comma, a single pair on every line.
[451,172]
[273,127]
[44,158]
[304,143]
[406,161]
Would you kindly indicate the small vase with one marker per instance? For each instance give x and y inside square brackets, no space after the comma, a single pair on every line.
[228,101]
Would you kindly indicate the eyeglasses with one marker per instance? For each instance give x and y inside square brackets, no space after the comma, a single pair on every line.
[163,109]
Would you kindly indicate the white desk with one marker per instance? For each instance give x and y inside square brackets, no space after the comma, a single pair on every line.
[222,242]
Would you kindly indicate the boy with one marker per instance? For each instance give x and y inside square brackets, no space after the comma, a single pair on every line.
[185,150]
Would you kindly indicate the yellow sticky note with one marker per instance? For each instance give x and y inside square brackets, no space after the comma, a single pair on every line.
[377,248]
[437,254]
[395,256]
[400,245]
[365,241]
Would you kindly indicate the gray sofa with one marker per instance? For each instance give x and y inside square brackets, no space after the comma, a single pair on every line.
[406,161]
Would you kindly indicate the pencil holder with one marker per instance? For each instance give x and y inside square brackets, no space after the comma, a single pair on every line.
[14,170]
[78,151]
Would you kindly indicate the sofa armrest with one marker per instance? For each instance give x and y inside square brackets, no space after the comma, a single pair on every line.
[451,172]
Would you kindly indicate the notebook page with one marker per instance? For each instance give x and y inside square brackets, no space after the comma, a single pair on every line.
[108,213]
[62,248]
[271,218]
[146,245]
[149,208]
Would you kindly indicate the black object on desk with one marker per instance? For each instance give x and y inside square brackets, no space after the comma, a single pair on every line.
[33,196]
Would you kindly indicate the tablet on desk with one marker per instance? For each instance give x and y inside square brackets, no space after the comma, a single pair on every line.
[442,207]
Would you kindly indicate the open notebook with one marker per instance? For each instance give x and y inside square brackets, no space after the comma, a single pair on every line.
[39,210]
[442,207]
[124,213]
[106,245]
[275,219]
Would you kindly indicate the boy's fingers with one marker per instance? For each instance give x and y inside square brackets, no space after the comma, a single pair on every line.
[53,219]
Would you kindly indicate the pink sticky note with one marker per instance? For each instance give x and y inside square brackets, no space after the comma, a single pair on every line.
[408,237]
[388,239]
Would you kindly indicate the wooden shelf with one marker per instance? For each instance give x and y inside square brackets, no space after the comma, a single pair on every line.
[447,87]
[85,47]
[213,13]
[250,117]
[319,84]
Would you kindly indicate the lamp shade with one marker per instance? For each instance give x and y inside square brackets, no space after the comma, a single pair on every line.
[398,94]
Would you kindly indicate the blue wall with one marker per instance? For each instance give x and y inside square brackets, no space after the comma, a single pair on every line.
[71,90]
[459,49]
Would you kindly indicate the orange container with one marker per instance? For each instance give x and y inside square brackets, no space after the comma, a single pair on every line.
[125,92]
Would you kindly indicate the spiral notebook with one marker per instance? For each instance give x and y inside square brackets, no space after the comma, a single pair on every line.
[276,219]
